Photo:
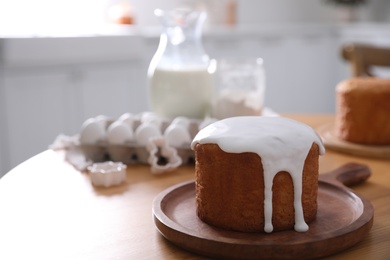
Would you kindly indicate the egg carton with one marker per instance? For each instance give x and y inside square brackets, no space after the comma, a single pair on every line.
[142,138]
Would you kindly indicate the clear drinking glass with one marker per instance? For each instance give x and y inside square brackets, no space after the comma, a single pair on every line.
[240,88]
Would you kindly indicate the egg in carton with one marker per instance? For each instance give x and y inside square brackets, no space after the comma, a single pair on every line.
[150,127]
[121,140]
[93,138]
[180,133]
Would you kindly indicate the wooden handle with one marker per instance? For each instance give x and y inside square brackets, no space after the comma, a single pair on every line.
[349,174]
[363,56]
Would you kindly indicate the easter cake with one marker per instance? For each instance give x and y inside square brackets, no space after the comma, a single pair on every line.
[363,111]
[257,174]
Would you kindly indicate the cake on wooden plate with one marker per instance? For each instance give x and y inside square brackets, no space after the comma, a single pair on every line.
[256,174]
[363,111]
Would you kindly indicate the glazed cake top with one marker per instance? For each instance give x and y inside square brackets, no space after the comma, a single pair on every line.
[266,136]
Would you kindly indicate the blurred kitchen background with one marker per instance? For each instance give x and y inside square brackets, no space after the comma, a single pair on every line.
[62,62]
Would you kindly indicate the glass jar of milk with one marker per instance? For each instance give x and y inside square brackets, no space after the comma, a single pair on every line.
[180,77]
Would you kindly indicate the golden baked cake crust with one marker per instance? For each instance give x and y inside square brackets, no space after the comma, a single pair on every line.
[363,111]
[230,190]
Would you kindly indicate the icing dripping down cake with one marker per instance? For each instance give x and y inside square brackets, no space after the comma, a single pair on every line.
[256,174]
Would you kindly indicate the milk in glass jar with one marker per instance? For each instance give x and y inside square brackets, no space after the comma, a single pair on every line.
[180,75]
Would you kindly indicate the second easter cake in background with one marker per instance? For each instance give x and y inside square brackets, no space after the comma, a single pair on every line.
[363,111]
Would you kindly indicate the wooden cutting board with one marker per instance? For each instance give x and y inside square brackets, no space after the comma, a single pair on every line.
[343,219]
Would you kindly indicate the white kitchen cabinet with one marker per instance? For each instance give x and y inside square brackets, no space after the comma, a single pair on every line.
[300,74]
[45,102]
[49,86]
[112,89]
[36,109]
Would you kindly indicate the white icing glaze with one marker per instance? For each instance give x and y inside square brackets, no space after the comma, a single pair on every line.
[283,145]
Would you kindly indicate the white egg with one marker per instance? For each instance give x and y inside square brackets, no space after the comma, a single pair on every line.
[147,116]
[125,116]
[177,135]
[87,122]
[92,132]
[145,131]
[128,118]
[103,120]
[150,117]
[119,133]
[183,121]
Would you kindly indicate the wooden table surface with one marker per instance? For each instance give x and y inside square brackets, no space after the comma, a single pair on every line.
[49,210]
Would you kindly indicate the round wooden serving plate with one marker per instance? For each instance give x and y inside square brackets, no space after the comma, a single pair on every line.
[343,219]
[334,143]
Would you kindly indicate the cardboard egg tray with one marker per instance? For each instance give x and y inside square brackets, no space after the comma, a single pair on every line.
[131,152]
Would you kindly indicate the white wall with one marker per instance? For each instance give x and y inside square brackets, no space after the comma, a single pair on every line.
[51,16]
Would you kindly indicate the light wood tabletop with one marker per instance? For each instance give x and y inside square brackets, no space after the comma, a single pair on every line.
[49,210]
